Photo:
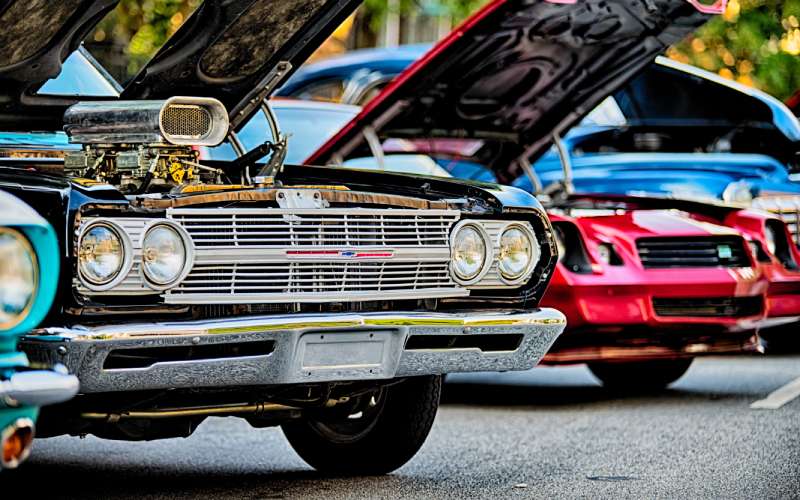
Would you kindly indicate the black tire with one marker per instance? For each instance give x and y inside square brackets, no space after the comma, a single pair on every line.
[641,375]
[388,434]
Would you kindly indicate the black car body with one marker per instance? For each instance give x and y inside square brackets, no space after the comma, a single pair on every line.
[327,301]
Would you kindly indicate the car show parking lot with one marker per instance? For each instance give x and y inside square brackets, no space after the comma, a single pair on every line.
[549,432]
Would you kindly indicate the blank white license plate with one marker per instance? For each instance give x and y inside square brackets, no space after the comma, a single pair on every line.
[363,353]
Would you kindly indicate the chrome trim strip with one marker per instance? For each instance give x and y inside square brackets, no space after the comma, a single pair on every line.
[544,316]
[414,212]
[311,297]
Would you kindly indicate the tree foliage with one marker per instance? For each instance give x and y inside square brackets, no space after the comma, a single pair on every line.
[134,31]
[756,42]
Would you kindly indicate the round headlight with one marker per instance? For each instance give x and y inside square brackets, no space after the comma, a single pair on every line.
[18,277]
[517,252]
[469,252]
[101,254]
[770,237]
[164,254]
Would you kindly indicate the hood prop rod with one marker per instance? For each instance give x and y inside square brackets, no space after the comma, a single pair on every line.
[374,143]
[566,164]
[278,145]
[536,182]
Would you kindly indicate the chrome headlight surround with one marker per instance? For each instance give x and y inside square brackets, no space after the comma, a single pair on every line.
[25,244]
[127,255]
[188,260]
[488,257]
[533,258]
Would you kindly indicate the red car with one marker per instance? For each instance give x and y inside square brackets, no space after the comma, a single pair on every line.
[638,320]
[645,291]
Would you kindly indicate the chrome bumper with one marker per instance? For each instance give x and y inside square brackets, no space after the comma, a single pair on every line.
[299,348]
[38,388]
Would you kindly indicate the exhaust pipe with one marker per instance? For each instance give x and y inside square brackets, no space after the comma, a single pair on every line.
[207,411]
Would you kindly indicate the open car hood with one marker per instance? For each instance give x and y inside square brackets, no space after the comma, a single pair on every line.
[237,51]
[35,39]
[515,74]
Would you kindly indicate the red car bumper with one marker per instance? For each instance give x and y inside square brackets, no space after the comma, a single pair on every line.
[636,314]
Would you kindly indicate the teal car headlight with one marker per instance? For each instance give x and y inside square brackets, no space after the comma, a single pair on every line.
[19,278]
[29,269]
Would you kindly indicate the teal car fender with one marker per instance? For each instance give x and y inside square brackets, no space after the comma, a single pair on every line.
[29,266]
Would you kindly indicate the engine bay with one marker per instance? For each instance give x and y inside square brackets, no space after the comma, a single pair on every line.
[144,147]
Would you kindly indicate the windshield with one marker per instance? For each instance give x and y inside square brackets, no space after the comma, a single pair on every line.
[81,75]
[308,128]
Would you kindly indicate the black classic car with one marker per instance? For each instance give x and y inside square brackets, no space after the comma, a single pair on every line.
[326,301]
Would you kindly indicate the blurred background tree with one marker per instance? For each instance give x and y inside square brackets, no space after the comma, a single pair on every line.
[756,42]
[134,31]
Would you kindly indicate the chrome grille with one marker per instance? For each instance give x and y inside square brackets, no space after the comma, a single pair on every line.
[713,251]
[314,281]
[338,228]
[268,256]
[787,208]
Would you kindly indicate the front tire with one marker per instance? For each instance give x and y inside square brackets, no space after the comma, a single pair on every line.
[388,431]
[640,376]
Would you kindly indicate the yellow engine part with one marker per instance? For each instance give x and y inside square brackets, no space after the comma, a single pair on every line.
[178,171]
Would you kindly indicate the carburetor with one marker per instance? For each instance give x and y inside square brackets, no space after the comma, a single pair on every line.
[138,145]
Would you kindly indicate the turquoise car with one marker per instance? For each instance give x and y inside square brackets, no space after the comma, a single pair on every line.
[29,262]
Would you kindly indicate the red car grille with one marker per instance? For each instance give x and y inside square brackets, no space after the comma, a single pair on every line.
[714,251]
[733,307]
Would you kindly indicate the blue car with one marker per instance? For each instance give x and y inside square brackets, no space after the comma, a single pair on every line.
[29,262]
[681,132]
[352,78]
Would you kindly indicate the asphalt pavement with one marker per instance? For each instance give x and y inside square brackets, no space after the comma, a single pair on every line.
[547,433]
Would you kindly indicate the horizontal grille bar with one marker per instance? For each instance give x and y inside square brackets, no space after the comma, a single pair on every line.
[734,307]
[711,251]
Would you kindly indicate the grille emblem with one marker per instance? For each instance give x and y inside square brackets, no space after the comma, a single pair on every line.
[340,254]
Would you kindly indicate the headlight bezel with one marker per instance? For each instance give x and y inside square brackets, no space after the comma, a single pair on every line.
[534,258]
[127,254]
[488,252]
[188,261]
[22,239]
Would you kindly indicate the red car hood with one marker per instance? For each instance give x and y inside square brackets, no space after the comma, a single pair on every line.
[516,73]
[636,224]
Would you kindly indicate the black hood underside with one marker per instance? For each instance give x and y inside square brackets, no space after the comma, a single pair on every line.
[237,51]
